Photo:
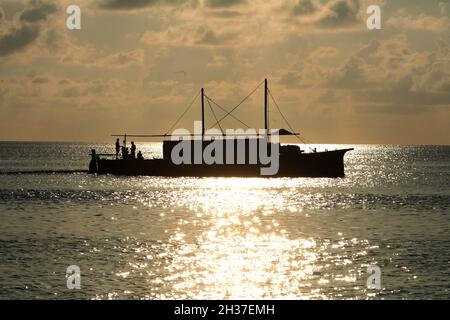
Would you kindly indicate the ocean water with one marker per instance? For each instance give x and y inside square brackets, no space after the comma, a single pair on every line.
[224,238]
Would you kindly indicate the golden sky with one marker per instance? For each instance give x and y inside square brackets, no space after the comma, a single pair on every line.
[135,66]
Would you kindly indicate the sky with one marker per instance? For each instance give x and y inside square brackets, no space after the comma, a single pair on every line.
[136,65]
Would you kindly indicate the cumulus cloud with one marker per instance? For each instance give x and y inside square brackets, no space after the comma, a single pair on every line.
[399,76]
[18,36]
[304,7]
[201,36]
[18,39]
[124,5]
[38,12]
[223,3]
[353,74]
[381,77]
[330,14]
[423,22]
[207,36]
[340,13]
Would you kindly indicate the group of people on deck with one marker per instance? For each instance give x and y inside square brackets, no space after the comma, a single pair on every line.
[125,153]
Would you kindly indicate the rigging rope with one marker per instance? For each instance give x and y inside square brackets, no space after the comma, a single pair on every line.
[287,122]
[225,110]
[239,104]
[214,114]
[229,113]
[182,115]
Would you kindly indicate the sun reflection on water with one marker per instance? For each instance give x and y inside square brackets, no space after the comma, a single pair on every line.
[233,247]
[244,239]
[236,258]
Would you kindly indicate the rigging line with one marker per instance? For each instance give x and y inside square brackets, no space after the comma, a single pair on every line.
[182,115]
[214,114]
[239,104]
[225,110]
[287,122]
[279,110]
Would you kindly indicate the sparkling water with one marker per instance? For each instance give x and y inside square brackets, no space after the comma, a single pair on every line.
[224,238]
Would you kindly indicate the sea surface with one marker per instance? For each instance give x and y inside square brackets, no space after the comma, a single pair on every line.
[224,238]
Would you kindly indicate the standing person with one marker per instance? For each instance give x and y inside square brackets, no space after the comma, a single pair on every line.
[124,150]
[117,148]
[133,150]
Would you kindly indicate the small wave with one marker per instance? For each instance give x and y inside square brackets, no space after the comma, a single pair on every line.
[364,202]
[42,172]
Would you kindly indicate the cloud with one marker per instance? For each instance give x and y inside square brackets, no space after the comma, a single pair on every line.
[340,13]
[353,74]
[321,61]
[18,39]
[443,7]
[393,74]
[380,77]
[83,90]
[218,61]
[329,97]
[39,12]
[40,80]
[126,5]
[125,58]
[27,28]
[226,14]
[406,97]
[206,36]
[392,109]
[327,15]
[2,14]
[202,36]
[423,22]
[223,3]
[304,7]
[290,79]
[324,52]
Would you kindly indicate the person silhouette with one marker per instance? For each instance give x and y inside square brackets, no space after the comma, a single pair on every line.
[133,150]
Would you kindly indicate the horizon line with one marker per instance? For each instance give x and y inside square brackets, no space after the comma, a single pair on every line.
[315,143]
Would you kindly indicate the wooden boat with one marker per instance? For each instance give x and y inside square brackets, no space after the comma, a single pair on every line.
[292,161]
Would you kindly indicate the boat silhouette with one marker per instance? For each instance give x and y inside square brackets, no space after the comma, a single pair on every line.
[240,151]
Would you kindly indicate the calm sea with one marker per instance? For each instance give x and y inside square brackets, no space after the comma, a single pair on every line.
[224,238]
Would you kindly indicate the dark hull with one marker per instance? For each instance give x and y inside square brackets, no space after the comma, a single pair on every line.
[320,164]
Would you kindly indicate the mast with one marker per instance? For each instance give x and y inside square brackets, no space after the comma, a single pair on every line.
[266,119]
[203,113]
